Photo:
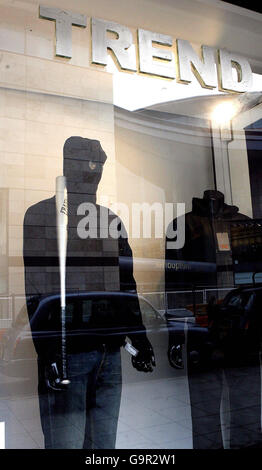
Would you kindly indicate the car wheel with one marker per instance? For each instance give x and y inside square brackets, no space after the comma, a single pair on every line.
[175,356]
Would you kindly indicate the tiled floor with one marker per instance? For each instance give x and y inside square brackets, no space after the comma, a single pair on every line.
[155,413]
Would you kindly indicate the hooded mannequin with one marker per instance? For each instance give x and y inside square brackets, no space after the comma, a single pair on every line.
[214,201]
[94,363]
[86,258]
[207,240]
[213,205]
[83,167]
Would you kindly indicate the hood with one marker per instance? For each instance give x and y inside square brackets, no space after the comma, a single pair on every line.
[205,208]
[83,165]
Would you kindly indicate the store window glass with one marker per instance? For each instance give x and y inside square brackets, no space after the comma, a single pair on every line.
[130,227]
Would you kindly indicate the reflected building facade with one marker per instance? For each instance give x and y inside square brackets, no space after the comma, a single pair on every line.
[143,140]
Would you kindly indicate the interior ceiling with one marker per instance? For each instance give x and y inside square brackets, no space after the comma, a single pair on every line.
[203,107]
[198,106]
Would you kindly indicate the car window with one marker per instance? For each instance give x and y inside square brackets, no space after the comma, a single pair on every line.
[102,309]
[49,316]
[22,318]
[98,311]
[70,313]
[81,312]
[86,311]
[26,312]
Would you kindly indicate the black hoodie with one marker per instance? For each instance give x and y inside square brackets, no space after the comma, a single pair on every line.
[92,263]
[209,216]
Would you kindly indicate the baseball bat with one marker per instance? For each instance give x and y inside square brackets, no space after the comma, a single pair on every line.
[61,226]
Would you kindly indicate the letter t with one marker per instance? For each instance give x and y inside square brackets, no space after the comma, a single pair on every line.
[64,20]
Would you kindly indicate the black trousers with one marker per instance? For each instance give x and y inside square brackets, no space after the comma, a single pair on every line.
[226,406]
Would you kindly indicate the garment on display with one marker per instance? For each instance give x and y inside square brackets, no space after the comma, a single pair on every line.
[99,313]
[207,240]
[223,352]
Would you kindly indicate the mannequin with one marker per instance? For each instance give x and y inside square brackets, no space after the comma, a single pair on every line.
[217,375]
[93,361]
[207,240]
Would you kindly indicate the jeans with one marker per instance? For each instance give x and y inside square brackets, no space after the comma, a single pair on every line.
[85,415]
[226,407]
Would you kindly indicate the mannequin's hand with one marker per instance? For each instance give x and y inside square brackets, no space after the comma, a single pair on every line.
[145,359]
[53,377]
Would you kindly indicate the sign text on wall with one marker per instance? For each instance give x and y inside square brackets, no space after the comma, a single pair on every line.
[156,56]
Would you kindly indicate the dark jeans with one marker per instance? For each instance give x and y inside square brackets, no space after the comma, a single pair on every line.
[84,416]
[241,415]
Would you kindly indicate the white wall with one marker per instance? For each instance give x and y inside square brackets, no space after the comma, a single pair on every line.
[160,160]
[238,159]
[34,125]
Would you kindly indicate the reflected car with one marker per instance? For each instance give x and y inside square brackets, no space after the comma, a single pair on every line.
[186,334]
[90,317]
[235,324]
[171,332]
[231,326]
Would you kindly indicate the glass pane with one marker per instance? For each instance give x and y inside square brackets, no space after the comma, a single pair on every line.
[130,212]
